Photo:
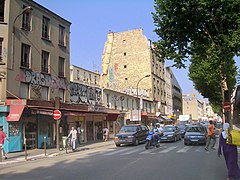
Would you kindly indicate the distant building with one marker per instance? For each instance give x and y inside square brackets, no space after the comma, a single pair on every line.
[129,66]
[177,101]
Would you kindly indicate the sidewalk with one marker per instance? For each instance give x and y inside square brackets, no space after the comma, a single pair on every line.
[40,153]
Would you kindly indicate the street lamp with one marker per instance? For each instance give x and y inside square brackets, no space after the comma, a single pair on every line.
[25,10]
[138,104]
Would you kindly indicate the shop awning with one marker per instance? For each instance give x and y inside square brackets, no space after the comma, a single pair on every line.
[112,117]
[16,109]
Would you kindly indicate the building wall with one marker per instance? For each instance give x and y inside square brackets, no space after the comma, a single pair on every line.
[84,76]
[169,102]
[190,106]
[33,76]
[127,58]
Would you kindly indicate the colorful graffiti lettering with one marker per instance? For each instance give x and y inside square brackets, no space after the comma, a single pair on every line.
[82,94]
[40,79]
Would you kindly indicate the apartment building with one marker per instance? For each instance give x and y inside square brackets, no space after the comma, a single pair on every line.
[130,66]
[34,72]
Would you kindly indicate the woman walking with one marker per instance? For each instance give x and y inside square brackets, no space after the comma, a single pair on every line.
[230,154]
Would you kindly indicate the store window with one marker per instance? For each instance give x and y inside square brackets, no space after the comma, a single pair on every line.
[14,129]
[45,93]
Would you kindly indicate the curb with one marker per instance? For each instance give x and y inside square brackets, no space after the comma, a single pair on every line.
[53,154]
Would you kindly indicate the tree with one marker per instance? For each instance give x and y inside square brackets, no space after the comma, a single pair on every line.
[207,32]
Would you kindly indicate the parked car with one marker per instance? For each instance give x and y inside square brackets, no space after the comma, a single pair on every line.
[182,128]
[195,134]
[171,133]
[131,134]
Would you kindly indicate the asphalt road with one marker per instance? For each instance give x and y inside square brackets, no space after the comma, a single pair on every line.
[172,161]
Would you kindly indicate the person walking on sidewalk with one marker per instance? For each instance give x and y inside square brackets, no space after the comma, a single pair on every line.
[73,134]
[2,138]
[211,136]
[105,134]
[230,154]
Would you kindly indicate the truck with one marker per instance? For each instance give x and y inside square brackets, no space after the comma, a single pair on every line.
[185,119]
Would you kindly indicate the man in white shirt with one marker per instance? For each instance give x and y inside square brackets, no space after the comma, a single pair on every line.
[73,133]
[105,134]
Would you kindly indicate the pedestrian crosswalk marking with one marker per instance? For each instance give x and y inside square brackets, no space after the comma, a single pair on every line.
[148,151]
[185,149]
[130,152]
[116,151]
[168,149]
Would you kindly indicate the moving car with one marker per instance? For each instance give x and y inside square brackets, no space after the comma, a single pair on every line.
[171,133]
[195,134]
[131,134]
[182,129]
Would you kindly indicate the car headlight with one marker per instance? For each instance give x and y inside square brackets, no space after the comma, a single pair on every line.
[130,136]
[170,135]
[115,137]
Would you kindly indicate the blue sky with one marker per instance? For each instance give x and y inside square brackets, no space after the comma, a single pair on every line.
[93,19]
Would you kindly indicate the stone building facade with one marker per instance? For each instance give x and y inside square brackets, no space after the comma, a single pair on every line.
[35,63]
[130,66]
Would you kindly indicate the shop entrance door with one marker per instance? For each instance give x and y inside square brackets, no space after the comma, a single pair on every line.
[89,130]
[99,130]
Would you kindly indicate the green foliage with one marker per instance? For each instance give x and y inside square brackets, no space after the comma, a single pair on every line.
[205,31]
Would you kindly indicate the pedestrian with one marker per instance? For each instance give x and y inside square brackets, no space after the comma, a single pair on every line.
[211,136]
[105,134]
[230,154]
[73,133]
[2,138]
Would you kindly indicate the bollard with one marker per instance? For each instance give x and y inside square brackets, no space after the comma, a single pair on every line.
[1,152]
[25,149]
[45,146]
[66,145]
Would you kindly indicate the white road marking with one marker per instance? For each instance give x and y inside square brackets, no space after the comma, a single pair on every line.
[185,149]
[168,149]
[132,151]
[116,152]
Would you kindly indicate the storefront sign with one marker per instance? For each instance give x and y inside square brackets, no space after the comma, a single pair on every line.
[16,109]
[135,115]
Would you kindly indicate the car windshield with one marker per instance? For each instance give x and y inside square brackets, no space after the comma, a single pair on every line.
[181,127]
[128,129]
[168,129]
[195,129]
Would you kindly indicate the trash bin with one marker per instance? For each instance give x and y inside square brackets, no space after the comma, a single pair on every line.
[64,141]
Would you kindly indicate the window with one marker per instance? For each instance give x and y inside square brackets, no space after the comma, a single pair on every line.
[126,79]
[2,4]
[26,19]
[95,79]
[61,35]
[108,100]
[61,67]
[45,60]
[25,54]
[45,28]
[125,54]
[61,93]
[78,75]
[44,93]
[1,41]
[125,66]
[24,91]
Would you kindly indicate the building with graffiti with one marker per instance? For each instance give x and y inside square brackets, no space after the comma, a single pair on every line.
[35,73]
[130,66]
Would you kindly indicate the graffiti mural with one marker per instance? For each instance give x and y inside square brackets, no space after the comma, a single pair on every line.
[40,79]
[82,94]
[141,92]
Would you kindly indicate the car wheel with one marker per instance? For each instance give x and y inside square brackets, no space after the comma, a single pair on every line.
[118,145]
[136,142]
[175,138]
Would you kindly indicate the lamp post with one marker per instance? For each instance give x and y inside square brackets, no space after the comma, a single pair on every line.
[25,10]
[138,104]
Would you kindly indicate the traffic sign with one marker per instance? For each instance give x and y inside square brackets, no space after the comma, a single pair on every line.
[226,106]
[57,114]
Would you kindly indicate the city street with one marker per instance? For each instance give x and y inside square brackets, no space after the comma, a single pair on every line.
[169,162]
